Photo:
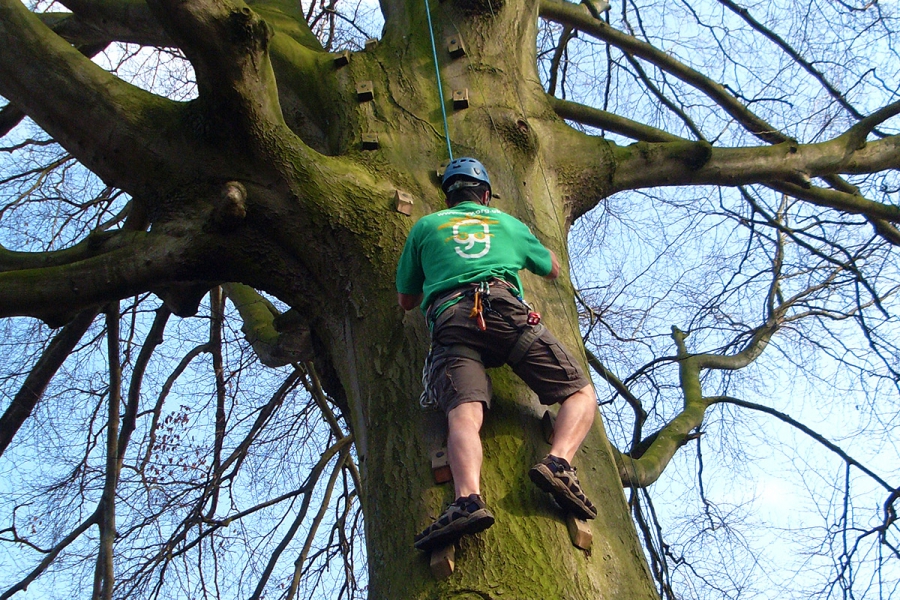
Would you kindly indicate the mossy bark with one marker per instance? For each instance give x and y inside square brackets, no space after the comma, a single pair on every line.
[318,228]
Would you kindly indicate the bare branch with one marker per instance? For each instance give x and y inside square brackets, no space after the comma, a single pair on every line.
[574,15]
[784,417]
[43,371]
[564,37]
[51,557]
[129,418]
[313,478]
[150,261]
[795,56]
[82,106]
[277,339]
[609,121]
[104,575]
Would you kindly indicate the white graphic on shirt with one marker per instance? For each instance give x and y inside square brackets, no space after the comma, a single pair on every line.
[468,240]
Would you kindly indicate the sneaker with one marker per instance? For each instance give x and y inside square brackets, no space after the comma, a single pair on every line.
[465,516]
[556,476]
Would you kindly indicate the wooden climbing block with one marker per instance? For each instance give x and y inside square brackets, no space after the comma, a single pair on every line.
[370,141]
[455,46]
[365,91]
[579,532]
[404,202]
[371,44]
[461,99]
[440,466]
[342,59]
[547,422]
[441,168]
[443,561]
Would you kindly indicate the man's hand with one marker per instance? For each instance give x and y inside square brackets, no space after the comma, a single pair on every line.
[554,270]
[410,301]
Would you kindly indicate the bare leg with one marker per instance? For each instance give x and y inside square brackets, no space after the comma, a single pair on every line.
[574,420]
[464,447]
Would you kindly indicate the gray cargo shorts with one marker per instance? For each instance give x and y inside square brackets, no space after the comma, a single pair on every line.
[546,367]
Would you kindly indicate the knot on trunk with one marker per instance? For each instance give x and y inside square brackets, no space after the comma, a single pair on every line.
[247,29]
[518,134]
[231,206]
[480,7]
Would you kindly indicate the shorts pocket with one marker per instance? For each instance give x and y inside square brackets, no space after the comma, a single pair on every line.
[563,359]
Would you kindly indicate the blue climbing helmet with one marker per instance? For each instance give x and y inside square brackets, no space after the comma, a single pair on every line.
[464,170]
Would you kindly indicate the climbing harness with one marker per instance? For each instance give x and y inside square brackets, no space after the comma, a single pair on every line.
[482,295]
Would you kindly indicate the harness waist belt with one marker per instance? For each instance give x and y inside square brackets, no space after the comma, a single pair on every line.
[457,350]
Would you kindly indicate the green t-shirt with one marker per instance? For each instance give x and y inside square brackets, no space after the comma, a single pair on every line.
[467,244]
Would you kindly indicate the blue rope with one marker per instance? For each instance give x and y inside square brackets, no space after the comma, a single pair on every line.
[437,72]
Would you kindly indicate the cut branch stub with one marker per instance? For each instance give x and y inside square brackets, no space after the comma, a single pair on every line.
[245,26]
[597,7]
[231,208]
[183,299]
[440,170]
[371,44]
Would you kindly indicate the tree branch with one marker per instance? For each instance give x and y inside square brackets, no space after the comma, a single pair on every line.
[881,215]
[150,262]
[277,339]
[227,43]
[104,575]
[88,111]
[574,15]
[784,167]
[657,450]
[342,446]
[50,557]
[129,418]
[104,21]
[795,56]
[43,371]
[784,417]
[602,119]
[564,37]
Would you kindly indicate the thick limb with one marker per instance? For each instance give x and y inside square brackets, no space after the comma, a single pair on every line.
[574,420]
[464,447]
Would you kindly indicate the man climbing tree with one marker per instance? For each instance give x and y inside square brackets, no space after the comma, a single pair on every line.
[462,265]
[208,389]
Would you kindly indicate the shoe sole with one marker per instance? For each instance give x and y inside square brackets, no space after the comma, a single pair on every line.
[476,522]
[548,482]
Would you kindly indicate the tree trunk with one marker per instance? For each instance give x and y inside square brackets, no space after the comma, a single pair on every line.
[246,199]
[527,553]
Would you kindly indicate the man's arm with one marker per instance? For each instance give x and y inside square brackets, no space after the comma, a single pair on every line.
[408,301]
[554,270]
